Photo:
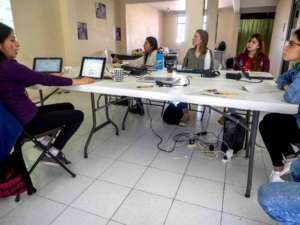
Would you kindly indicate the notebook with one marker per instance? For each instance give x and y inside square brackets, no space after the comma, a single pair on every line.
[92,67]
[47,65]
[254,75]
[167,80]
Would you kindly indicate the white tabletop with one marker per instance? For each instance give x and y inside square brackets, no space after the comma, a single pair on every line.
[268,102]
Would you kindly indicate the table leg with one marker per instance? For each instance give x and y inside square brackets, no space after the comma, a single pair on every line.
[94,128]
[41,97]
[252,141]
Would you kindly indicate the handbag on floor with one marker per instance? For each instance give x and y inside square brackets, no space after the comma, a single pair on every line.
[172,114]
[12,182]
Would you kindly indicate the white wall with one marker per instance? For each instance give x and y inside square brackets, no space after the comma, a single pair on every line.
[49,28]
[228,25]
[170,34]
[142,21]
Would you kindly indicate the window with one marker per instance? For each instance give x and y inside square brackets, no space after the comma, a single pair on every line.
[5,13]
[180,28]
[204,21]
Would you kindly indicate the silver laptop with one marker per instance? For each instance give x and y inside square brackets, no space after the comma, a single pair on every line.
[254,75]
[47,65]
[166,80]
[92,67]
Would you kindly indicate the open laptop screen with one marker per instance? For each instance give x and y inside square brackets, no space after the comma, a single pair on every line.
[47,65]
[92,67]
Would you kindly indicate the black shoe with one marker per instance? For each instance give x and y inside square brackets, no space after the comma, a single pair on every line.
[137,110]
[50,161]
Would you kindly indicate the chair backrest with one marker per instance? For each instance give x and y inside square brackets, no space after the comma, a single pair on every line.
[106,54]
[10,130]
[217,65]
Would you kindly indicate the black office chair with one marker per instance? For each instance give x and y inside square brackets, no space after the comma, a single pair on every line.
[26,137]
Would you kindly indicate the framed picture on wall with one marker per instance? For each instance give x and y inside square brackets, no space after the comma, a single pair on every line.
[117,33]
[82,32]
[100,10]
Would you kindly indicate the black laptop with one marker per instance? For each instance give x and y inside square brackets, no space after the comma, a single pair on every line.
[47,65]
[254,75]
[92,67]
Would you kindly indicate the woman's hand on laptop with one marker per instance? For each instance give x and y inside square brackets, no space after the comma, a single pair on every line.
[85,80]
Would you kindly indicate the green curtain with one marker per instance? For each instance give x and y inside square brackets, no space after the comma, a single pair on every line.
[252,26]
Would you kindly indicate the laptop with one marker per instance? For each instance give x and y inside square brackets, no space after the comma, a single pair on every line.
[253,74]
[47,65]
[167,80]
[92,67]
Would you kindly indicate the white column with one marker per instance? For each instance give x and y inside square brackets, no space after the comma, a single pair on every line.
[212,22]
[194,20]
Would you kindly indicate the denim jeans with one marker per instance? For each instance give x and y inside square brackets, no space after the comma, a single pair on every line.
[281,201]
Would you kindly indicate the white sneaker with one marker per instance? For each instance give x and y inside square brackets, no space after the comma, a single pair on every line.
[287,166]
[184,121]
[275,176]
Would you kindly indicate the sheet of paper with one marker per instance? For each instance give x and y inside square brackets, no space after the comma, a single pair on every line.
[261,88]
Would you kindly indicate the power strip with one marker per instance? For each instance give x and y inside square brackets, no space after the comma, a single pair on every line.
[228,156]
[192,145]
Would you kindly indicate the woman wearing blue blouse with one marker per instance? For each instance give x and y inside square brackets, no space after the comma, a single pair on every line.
[280,199]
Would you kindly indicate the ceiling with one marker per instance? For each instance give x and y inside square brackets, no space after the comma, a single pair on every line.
[237,5]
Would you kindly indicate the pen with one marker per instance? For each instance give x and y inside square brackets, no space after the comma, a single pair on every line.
[145,86]
[226,93]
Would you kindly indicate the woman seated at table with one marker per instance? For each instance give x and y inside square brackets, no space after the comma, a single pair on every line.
[279,131]
[198,57]
[252,59]
[149,59]
[15,77]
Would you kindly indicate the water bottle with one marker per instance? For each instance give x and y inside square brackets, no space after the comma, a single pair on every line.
[159,61]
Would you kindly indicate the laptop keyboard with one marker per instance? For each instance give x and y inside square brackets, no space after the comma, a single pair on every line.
[190,71]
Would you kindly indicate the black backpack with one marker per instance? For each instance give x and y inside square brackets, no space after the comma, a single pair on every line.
[172,114]
[229,63]
[233,134]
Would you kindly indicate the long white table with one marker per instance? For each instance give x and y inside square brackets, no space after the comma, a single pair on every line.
[268,102]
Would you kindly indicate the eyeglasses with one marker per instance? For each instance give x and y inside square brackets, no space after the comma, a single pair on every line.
[290,43]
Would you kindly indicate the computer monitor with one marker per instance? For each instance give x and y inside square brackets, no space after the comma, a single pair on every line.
[47,65]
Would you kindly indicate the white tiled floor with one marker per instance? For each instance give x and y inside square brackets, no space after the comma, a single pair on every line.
[127,180]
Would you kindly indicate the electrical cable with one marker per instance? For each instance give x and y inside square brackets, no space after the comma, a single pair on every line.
[161,140]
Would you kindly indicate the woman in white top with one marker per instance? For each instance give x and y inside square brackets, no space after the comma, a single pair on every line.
[149,59]
[150,50]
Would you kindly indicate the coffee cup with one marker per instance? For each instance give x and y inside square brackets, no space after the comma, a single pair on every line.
[170,66]
[117,74]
